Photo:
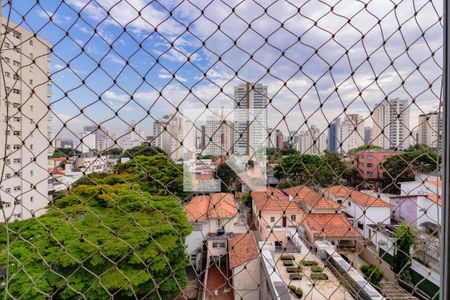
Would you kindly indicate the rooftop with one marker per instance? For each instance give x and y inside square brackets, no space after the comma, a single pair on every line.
[242,249]
[355,196]
[331,226]
[312,198]
[274,200]
[204,207]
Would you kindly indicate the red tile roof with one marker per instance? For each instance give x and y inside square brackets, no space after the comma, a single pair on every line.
[219,205]
[242,248]
[356,197]
[331,226]
[435,182]
[313,199]
[274,200]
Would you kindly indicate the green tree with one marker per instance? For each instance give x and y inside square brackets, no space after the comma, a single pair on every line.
[403,166]
[101,240]
[362,148]
[246,199]
[406,238]
[65,152]
[372,273]
[156,173]
[142,150]
[112,151]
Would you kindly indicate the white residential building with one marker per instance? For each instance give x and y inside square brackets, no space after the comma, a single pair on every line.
[350,133]
[311,141]
[430,129]
[391,128]
[250,119]
[219,136]
[88,139]
[168,134]
[24,123]
[133,137]
[362,209]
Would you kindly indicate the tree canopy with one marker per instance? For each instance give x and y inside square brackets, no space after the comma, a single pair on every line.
[362,148]
[65,152]
[98,241]
[405,165]
[324,170]
[142,150]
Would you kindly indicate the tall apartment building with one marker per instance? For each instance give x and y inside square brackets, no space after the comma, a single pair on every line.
[88,139]
[429,131]
[219,136]
[279,139]
[250,118]
[350,133]
[367,135]
[332,135]
[168,134]
[391,124]
[311,141]
[24,123]
[133,137]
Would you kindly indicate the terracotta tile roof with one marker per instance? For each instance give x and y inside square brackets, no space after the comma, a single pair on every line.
[197,208]
[331,226]
[203,207]
[274,200]
[222,205]
[242,248]
[356,197]
[435,198]
[312,198]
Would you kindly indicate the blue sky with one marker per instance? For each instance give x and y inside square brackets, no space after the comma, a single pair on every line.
[140,62]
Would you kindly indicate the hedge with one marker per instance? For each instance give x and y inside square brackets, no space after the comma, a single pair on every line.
[295,276]
[316,269]
[296,290]
[319,276]
[309,262]
[293,269]
[288,263]
[287,257]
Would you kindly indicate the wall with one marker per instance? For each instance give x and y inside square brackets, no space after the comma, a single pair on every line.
[405,209]
[433,211]
[246,280]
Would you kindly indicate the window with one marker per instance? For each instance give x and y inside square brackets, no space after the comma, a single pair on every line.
[16,63]
[31,55]
[30,42]
[272,219]
[16,119]
[17,188]
[339,201]
[219,223]
[7,45]
[8,190]
[31,146]
[16,34]
[16,49]
[31,81]
[361,225]
[16,77]
[16,91]
[16,105]
[8,175]
[369,157]
[31,172]
[17,202]
[197,227]
[218,245]
[7,74]
[369,165]
[31,199]
[8,161]
[7,60]
[31,107]
[17,160]
[17,133]
[349,203]
[16,147]
[293,218]
[8,147]
[5,204]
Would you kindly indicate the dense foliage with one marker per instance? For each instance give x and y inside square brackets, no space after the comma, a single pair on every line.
[65,152]
[142,150]
[372,273]
[107,237]
[311,169]
[406,239]
[362,148]
[403,166]
[228,178]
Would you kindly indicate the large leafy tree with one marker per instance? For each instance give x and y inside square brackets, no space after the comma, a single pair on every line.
[101,240]
[324,170]
[228,178]
[156,173]
[404,166]
[406,238]
[142,150]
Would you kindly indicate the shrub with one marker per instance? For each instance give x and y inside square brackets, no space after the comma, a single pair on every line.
[319,276]
[309,262]
[288,263]
[316,269]
[296,290]
[295,276]
[293,269]
[287,257]
[372,273]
